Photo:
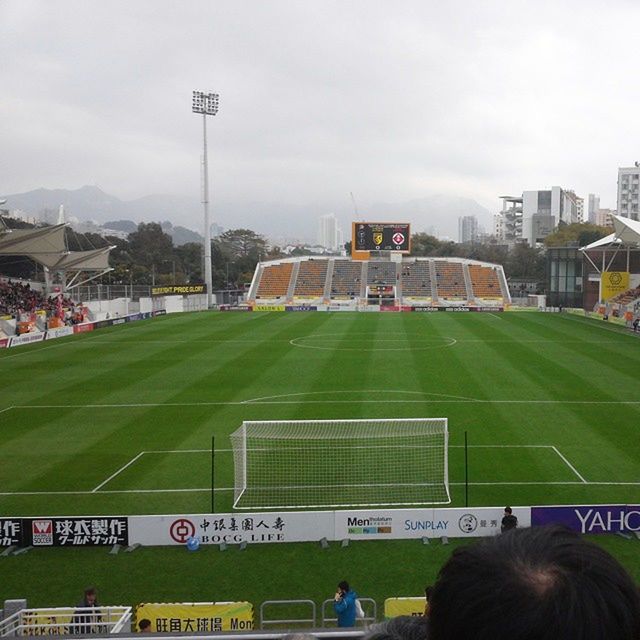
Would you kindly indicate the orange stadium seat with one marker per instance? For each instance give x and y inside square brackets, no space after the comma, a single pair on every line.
[275,279]
[312,276]
[450,280]
[484,281]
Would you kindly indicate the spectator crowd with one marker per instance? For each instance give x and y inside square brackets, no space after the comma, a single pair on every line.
[17,298]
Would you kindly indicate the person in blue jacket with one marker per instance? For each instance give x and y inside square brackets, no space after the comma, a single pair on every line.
[345,605]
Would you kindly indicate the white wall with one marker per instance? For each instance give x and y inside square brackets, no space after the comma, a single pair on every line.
[115,308]
[173,304]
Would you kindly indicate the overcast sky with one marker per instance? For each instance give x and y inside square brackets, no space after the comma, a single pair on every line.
[390,100]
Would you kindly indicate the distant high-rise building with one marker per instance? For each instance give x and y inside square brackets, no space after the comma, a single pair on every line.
[542,211]
[580,206]
[593,207]
[508,223]
[329,233]
[628,188]
[467,229]
[603,217]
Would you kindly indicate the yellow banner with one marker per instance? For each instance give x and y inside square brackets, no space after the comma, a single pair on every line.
[200,616]
[613,283]
[267,307]
[179,289]
[394,607]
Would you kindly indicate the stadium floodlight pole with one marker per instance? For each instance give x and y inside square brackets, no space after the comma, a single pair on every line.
[207,105]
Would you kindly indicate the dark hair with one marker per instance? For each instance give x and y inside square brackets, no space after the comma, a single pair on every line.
[90,591]
[145,623]
[543,583]
[344,585]
[508,510]
[400,628]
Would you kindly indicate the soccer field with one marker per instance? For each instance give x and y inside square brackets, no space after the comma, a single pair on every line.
[120,421]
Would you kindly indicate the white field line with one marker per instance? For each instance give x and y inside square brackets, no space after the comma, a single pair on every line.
[6,409]
[354,391]
[208,489]
[63,343]
[570,465]
[120,470]
[249,402]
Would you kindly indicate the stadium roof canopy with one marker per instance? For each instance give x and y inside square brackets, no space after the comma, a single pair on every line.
[43,241]
[47,246]
[625,237]
[626,234]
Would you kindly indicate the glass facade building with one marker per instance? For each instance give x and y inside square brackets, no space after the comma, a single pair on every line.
[564,277]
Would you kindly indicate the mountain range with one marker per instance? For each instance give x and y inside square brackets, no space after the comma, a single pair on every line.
[434,213]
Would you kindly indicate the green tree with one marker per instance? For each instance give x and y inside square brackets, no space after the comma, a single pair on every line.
[150,244]
[423,244]
[189,262]
[235,255]
[579,234]
[524,261]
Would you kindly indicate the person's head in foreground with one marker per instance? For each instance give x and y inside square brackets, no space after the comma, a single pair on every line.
[144,625]
[544,583]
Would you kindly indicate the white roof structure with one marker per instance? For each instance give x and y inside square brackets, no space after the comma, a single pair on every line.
[47,246]
[626,233]
[46,241]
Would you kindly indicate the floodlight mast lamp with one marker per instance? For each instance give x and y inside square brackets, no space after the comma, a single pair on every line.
[207,105]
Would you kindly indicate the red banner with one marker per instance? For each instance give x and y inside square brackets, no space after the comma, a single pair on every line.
[83,328]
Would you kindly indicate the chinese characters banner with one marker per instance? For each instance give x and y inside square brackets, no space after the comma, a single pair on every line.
[75,532]
[232,528]
[197,617]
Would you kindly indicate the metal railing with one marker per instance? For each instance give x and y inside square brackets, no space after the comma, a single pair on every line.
[307,622]
[67,620]
[369,606]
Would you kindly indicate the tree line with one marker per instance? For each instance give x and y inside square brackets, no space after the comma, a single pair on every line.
[147,256]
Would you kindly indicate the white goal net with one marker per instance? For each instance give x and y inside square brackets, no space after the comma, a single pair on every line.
[340,463]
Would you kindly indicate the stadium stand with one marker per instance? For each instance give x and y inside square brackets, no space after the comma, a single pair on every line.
[346,279]
[416,279]
[311,279]
[17,299]
[450,280]
[381,273]
[484,281]
[626,296]
[275,279]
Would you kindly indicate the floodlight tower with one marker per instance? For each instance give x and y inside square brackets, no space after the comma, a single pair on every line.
[207,105]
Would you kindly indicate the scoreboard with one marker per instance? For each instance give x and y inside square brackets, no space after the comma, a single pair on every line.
[381,236]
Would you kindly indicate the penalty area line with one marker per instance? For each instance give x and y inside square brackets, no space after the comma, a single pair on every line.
[120,470]
[569,465]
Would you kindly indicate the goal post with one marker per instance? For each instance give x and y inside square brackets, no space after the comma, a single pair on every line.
[340,463]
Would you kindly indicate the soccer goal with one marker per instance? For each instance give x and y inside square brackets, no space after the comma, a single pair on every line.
[340,463]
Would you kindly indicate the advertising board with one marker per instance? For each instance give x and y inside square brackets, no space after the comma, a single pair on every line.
[396,524]
[202,617]
[178,290]
[26,338]
[231,528]
[618,518]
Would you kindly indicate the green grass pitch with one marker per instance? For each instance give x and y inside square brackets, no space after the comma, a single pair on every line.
[120,421]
